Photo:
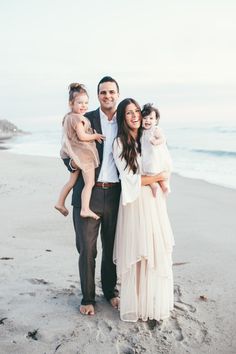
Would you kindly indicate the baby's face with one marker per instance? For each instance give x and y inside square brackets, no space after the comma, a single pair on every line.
[149,121]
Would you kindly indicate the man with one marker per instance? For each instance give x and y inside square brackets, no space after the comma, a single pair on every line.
[104,202]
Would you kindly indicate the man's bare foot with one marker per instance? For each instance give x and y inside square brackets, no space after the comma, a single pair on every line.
[62,209]
[87,310]
[115,302]
[89,214]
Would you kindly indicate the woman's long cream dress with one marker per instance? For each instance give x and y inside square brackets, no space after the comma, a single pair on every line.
[143,248]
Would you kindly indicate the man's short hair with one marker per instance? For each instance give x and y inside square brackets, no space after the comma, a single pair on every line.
[108,79]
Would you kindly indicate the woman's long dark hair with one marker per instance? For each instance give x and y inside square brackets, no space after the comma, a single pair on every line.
[131,147]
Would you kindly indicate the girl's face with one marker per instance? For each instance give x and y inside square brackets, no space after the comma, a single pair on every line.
[80,104]
[133,116]
[149,121]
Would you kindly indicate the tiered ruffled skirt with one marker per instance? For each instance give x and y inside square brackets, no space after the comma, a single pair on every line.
[143,255]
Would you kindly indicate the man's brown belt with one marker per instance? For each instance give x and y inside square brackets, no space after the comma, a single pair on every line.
[105,185]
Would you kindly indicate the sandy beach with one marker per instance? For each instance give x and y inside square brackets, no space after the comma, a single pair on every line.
[40,289]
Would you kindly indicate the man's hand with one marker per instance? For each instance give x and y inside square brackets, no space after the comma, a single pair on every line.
[73,165]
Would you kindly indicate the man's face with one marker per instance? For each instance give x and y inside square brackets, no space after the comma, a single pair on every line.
[108,96]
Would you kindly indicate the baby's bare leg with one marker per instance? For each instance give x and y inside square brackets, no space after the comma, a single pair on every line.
[89,178]
[60,205]
[165,186]
[153,187]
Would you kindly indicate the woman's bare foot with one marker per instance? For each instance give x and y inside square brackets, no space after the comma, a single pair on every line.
[62,209]
[87,310]
[89,214]
[115,302]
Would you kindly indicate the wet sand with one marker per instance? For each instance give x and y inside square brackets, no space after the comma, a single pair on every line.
[40,289]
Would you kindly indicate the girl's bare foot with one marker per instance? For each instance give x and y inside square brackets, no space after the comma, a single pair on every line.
[88,214]
[87,310]
[62,209]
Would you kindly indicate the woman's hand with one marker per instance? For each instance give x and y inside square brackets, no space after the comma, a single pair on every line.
[145,180]
[163,176]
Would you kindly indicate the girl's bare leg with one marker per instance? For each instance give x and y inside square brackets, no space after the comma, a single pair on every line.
[153,187]
[89,178]
[60,205]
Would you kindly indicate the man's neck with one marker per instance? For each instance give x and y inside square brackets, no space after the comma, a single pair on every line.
[109,113]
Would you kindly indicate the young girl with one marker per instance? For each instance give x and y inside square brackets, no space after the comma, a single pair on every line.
[78,144]
[155,155]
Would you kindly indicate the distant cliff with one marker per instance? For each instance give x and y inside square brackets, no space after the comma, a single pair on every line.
[8,129]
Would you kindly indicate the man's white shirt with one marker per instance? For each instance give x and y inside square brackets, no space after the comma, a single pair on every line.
[108,172]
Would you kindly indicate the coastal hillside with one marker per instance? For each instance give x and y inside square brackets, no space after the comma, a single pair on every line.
[8,129]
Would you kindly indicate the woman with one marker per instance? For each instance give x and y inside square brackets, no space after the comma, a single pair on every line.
[144,239]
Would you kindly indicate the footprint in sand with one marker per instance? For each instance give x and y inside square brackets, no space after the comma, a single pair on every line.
[38,281]
[176,328]
[126,350]
[191,331]
[28,293]
[179,304]
[185,327]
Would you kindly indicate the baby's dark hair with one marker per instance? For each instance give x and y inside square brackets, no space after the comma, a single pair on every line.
[148,108]
[76,89]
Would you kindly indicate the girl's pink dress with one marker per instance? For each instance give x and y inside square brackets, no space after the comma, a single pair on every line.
[83,153]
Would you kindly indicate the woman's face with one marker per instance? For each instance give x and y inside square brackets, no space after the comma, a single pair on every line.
[133,116]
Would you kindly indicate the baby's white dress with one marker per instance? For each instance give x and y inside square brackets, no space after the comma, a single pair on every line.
[155,158]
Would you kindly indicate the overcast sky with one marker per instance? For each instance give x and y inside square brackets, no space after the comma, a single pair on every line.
[179,54]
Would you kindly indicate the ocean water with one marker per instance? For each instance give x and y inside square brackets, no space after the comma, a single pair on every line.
[205,151]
